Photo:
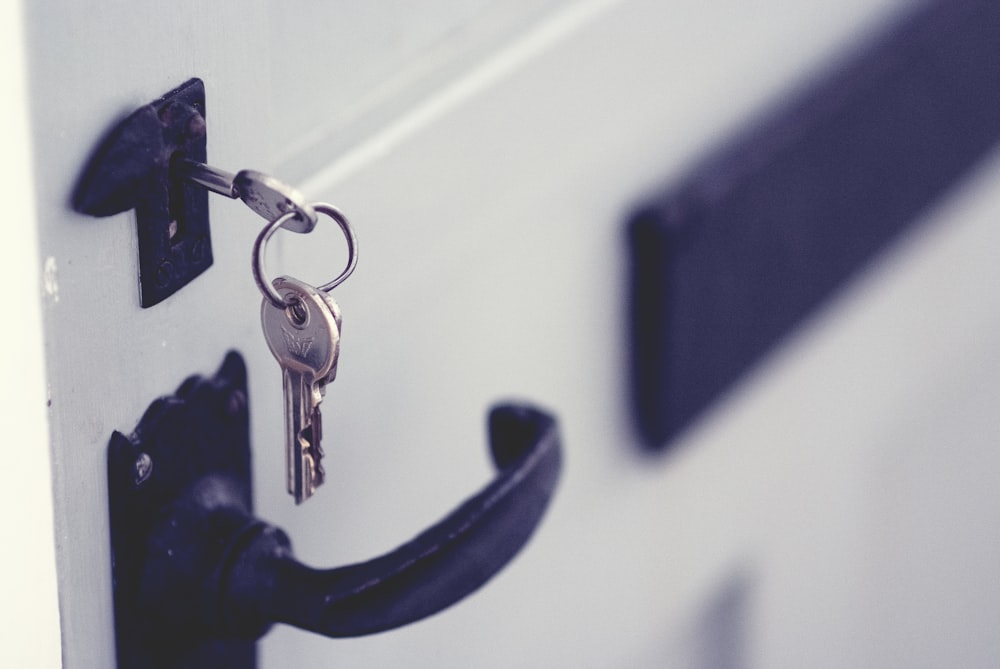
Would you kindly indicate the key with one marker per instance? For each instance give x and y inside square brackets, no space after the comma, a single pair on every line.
[305,340]
[264,194]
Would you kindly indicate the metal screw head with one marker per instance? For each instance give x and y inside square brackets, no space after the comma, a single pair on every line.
[164,274]
[143,468]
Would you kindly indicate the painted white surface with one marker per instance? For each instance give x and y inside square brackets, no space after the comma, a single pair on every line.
[362,64]
[835,510]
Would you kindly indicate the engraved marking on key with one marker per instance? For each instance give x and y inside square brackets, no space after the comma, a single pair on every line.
[304,338]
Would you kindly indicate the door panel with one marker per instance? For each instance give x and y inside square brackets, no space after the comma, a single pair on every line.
[341,71]
[89,64]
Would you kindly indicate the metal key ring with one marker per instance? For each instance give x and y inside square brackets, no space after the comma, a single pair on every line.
[260,249]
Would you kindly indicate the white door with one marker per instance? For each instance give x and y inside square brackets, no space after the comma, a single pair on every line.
[835,510]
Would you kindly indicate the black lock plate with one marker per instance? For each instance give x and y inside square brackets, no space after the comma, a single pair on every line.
[131,169]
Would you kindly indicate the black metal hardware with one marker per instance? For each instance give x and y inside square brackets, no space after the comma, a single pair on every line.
[730,260]
[197,578]
[131,170]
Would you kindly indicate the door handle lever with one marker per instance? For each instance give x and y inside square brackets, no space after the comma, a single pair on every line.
[198,578]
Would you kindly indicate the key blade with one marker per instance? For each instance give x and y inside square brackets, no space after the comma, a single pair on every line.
[310,462]
[316,448]
[304,425]
[293,428]
[300,413]
[306,480]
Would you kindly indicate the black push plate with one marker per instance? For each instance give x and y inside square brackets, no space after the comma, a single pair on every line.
[131,169]
[726,263]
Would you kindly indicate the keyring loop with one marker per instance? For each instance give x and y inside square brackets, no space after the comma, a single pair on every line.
[260,250]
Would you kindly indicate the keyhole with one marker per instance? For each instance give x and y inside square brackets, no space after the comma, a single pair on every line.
[176,191]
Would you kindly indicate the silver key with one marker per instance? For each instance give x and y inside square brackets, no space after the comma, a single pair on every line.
[305,340]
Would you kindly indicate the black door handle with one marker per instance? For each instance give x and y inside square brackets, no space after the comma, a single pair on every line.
[198,578]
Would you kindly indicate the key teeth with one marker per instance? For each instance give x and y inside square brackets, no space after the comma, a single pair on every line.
[308,487]
[312,473]
[319,474]
[316,447]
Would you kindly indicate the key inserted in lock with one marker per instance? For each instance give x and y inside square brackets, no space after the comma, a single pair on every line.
[266,196]
[153,161]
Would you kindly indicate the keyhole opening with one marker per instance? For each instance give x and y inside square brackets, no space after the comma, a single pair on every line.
[175,202]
